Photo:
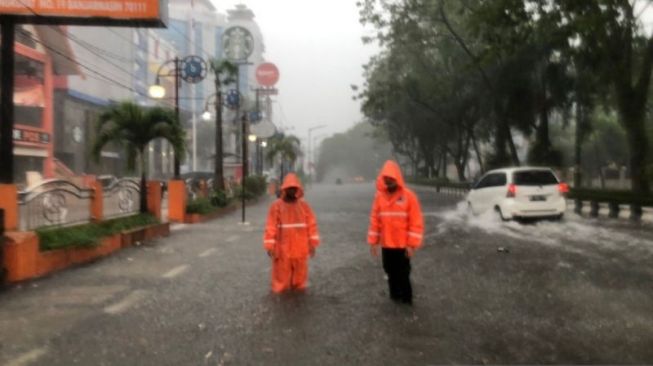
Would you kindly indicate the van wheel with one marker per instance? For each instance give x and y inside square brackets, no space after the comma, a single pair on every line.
[497,209]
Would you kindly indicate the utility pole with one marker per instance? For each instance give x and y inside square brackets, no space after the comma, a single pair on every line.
[177,76]
[244,135]
[7,100]
[245,131]
[308,152]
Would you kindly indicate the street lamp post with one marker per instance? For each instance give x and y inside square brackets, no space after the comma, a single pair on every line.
[191,69]
[315,144]
[308,153]
[244,134]
[261,146]
[157,91]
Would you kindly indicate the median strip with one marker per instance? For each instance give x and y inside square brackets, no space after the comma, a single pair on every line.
[175,271]
[130,300]
[207,253]
[28,357]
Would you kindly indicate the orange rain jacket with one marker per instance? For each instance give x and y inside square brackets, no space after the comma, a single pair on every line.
[291,229]
[396,218]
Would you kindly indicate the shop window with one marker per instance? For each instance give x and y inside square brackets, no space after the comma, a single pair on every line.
[29,116]
[29,93]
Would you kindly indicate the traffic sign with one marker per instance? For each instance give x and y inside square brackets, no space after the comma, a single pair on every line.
[267,74]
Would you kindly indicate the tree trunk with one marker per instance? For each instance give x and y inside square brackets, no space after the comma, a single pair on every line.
[218,176]
[460,169]
[501,157]
[638,145]
[444,164]
[478,152]
[632,100]
[511,145]
[580,115]
[143,197]
[632,113]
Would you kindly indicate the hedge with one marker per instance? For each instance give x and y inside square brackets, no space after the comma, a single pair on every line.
[89,235]
[611,196]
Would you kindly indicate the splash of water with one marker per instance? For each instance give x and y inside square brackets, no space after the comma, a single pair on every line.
[572,230]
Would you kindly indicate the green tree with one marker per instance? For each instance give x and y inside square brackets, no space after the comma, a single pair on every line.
[285,149]
[612,35]
[225,73]
[133,127]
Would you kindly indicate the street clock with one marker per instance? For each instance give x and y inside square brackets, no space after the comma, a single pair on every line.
[193,69]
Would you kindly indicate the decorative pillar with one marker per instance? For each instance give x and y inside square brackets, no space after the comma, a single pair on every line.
[9,203]
[154,198]
[177,200]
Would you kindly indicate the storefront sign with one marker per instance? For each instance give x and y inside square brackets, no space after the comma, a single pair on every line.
[96,12]
[33,137]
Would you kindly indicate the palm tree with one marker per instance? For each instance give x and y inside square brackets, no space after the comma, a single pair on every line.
[133,127]
[284,147]
[225,73]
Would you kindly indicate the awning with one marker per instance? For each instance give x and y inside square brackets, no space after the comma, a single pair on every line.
[63,61]
[27,151]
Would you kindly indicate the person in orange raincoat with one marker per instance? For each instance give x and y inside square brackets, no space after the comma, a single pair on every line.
[396,224]
[291,236]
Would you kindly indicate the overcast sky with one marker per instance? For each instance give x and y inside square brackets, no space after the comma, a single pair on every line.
[317,46]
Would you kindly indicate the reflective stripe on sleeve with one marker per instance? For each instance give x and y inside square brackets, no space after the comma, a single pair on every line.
[315,237]
[269,241]
[415,235]
[373,233]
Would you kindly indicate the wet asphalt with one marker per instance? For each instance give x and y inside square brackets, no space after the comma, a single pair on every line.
[576,291]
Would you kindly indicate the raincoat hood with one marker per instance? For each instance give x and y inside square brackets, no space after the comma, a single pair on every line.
[390,169]
[292,181]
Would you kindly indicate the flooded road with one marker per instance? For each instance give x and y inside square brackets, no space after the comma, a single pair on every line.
[574,291]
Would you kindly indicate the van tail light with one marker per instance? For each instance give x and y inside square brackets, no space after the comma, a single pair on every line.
[512,191]
[563,188]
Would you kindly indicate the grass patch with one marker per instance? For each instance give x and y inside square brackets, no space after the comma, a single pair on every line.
[89,235]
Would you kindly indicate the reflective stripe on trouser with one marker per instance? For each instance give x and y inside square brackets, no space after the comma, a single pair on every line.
[289,273]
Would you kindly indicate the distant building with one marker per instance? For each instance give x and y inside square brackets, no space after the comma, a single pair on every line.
[66,77]
[42,56]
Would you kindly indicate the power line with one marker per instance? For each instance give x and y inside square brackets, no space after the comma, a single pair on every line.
[83,46]
[107,78]
[96,52]
[131,41]
[119,67]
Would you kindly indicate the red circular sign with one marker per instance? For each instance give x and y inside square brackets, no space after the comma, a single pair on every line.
[267,74]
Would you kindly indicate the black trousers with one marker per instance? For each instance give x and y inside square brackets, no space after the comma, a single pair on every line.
[397,266]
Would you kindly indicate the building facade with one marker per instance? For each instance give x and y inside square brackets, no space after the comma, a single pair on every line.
[67,76]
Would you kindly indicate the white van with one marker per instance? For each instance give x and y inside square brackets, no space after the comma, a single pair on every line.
[525,192]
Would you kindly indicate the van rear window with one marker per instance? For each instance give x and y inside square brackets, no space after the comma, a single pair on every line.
[534,178]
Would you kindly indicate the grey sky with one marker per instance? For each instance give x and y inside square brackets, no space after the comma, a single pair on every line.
[317,46]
